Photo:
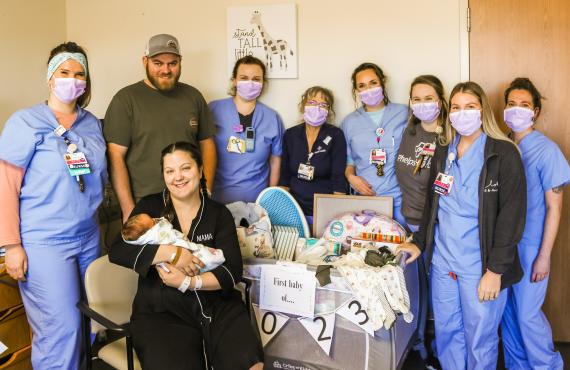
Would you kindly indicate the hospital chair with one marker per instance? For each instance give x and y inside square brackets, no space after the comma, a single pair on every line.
[110,290]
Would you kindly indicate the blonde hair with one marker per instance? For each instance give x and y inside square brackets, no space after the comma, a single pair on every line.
[311,92]
[490,126]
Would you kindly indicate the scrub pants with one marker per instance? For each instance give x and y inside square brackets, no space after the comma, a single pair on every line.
[54,285]
[466,330]
[527,337]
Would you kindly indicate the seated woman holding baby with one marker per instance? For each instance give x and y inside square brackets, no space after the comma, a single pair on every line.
[184,318]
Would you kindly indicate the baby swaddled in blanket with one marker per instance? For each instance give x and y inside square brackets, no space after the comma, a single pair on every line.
[142,229]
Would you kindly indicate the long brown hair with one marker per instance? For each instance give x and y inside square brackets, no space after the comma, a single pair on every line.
[436,84]
[378,71]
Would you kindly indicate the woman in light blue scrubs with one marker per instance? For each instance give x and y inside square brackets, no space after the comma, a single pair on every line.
[473,222]
[58,153]
[248,138]
[527,337]
[373,133]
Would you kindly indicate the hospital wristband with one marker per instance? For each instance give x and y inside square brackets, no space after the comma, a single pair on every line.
[185,284]
[175,256]
[197,283]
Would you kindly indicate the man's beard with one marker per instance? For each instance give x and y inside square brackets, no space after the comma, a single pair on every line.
[162,85]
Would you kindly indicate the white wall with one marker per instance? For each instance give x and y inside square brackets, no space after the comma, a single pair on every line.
[29,29]
[405,38]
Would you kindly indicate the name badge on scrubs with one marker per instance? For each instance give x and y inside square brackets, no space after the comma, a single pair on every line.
[378,156]
[77,164]
[236,145]
[306,172]
[238,128]
[443,184]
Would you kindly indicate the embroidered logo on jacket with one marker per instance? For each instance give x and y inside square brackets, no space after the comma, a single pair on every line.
[491,187]
[204,237]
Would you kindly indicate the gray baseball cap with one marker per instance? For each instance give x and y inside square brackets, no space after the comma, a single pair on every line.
[162,43]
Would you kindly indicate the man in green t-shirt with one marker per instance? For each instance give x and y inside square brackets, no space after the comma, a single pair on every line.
[145,117]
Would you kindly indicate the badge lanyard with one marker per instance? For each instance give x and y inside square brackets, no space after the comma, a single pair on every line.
[76,162]
[306,171]
[378,156]
[444,181]
[427,152]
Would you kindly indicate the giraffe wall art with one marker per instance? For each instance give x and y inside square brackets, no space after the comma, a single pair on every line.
[267,32]
[270,45]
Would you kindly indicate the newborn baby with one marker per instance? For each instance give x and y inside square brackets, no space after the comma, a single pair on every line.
[142,229]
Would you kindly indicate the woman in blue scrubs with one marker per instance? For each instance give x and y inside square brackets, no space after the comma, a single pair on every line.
[59,150]
[248,137]
[314,151]
[373,133]
[527,337]
[470,231]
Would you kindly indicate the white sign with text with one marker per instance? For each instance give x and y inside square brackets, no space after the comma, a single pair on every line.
[287,289]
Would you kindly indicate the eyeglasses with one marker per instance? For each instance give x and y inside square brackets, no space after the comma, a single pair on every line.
[316,103]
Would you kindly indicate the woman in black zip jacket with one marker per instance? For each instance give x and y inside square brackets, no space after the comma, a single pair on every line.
[183,319]
[473,219]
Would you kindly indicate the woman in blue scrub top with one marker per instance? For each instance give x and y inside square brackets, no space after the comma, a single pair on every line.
[527,338]
[314,151]
[248,137]
[373,133]
[60,150]
[473,221]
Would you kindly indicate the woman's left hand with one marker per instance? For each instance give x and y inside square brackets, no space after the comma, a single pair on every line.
[411,249]
[173,278]
[540,268]
[489,286]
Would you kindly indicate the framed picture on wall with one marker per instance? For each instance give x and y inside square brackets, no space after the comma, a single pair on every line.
[268,32]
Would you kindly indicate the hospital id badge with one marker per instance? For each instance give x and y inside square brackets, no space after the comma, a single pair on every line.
[236,145]
[378,157]
[306,172]
[428,149]
[77,164]
[443,183]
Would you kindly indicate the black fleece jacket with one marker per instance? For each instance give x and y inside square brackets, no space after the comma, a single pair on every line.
[502,210]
